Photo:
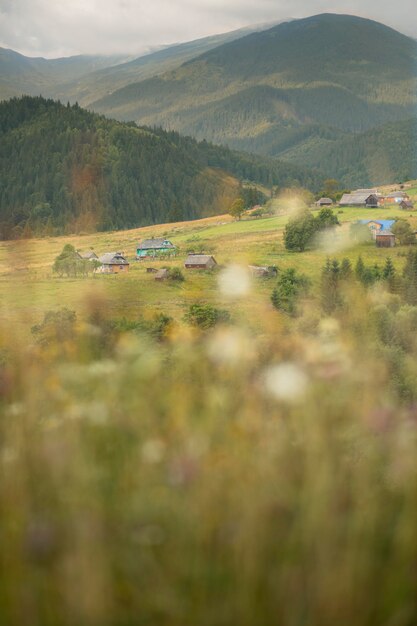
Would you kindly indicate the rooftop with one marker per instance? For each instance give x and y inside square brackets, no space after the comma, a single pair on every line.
[113,258]
[155,243]
[199,259]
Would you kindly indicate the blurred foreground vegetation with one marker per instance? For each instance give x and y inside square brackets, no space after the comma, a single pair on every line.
[166,472]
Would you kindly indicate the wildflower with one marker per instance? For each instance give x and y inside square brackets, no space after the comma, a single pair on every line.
[286,382]
[234,281]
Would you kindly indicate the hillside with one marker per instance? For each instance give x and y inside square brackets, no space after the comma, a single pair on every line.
[385,153]
[100,83]
[63,169]
[85,78]
[317,76]
[33,76]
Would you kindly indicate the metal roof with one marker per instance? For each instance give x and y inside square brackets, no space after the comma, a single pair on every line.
[199,259]
[356,198]
[88,255]
[397,194]
[385,224]
[113,258]
[155,244]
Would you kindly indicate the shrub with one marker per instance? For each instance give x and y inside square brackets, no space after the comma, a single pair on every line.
[290,286]
[206,316]
[176,275]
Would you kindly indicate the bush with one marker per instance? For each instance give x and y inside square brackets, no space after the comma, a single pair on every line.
[290,286]
[176,275]
[206,316]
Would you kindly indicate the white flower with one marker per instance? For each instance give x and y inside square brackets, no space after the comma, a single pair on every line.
[286,382]
[229,346]
[234,281]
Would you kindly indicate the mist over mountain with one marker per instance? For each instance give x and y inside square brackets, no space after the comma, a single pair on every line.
[302,82]
[308,91]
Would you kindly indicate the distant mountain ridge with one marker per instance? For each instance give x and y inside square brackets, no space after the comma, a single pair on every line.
[303,91]
[325,75]
[21,75]
[85,78]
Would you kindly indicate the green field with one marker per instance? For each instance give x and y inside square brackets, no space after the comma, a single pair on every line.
[28,287]
[257,472]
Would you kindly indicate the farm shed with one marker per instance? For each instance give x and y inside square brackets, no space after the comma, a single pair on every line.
[161,275]
[324,202]
[362,198]
[385,239]
[200,262]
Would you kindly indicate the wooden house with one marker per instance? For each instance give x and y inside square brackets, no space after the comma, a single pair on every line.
[385,239]
[200,262]
[360,199]
[396,197]
[324,202]
[407,205]
[113,263]
[155,247]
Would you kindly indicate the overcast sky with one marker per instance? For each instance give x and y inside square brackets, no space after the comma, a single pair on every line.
[54,28]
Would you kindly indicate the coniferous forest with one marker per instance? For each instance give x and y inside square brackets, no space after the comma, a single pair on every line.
[64,169]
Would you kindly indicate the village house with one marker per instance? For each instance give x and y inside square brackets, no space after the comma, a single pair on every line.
[200,262]
[395,197]
[378,227]
[360,198]
[385,239]
[113,263]
[407,205]
[155,247]
[324,202]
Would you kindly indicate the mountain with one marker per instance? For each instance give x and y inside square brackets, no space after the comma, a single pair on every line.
[99,84]
[33,76]
[269,91]
[383,154]
[84,79]
[64,169]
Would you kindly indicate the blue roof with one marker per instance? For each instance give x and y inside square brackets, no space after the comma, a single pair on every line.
[385,224]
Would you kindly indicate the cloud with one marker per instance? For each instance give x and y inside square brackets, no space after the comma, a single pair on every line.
[59,27]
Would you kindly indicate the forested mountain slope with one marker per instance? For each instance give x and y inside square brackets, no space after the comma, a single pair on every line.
[63,169]
[100,83]
[34,76]
[325,74]
[84,78]
[383,154]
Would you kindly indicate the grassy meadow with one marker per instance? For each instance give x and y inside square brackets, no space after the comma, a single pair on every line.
[259,473]
[28,286]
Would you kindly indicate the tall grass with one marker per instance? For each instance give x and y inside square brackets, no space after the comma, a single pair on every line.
[210,478]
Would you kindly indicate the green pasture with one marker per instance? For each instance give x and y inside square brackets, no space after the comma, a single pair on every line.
[28,287]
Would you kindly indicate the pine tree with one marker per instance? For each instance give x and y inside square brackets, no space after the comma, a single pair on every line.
[360,269]
[345,269]
[331,276]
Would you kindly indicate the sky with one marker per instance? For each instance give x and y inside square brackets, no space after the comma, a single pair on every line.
[54,28]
